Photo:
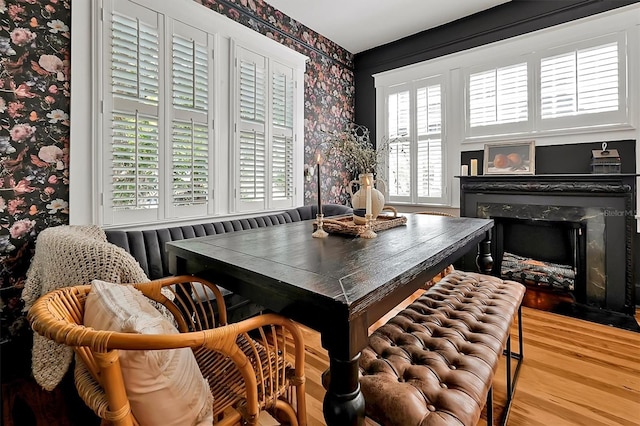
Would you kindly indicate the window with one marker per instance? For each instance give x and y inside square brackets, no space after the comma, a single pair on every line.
[415,149]
[133,129]
[190,121]
[575,86]
[159,133]
[264,141]
[583,81]
[564,84]
[498,96]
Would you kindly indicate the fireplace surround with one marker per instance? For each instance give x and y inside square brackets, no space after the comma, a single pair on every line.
[594,211]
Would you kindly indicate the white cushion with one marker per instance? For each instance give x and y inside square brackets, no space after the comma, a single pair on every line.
[163,386]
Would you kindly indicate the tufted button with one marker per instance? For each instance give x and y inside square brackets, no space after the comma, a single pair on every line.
[444,386]
[453,367]
[431,408]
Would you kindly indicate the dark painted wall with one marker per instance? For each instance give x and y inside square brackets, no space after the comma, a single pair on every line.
[569,158]
[501,22]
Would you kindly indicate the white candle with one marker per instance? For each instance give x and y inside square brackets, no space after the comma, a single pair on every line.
[474,167]
[464,170]
[368,199]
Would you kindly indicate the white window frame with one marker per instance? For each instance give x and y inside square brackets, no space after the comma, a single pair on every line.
[412,140]
[586,120]
[524,126]
[88,197]
[267,128]
[623,23]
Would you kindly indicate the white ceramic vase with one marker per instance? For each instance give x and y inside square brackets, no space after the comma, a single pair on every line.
[359,198]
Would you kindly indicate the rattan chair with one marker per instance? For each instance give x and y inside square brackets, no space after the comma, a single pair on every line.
[449,269]
[247,364]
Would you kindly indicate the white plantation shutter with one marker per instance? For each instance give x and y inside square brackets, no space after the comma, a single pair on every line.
[190,163]
[415,152]
[399,120]
[399,111]
[399,169]
[584,81]
[429,152]
[133,115]
[190,73]
[190,130]
[135,180]
[251,86]
[498,96]
[157,116]
[282,110]
[134,59]
[265,116]
[252,166]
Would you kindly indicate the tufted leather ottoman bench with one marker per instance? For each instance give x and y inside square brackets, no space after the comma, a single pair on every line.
[434,362]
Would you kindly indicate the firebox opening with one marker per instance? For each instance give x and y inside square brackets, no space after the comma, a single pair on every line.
[545,254]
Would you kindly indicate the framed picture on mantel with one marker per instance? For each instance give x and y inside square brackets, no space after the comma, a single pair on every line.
[513,158]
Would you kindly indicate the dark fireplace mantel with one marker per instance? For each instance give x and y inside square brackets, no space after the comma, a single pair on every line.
[604,204]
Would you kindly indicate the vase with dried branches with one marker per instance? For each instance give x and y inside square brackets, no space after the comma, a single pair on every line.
[359,157]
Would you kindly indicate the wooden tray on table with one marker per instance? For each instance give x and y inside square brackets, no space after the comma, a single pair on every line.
[346,225]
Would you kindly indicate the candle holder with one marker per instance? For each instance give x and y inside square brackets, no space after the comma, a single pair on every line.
[319,232]
[368,232]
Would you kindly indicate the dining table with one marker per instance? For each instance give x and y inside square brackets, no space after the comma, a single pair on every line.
[339,285]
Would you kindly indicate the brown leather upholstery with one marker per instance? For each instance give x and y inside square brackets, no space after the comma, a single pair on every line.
[433,363]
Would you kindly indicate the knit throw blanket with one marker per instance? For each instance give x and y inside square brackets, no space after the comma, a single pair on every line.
[68,256]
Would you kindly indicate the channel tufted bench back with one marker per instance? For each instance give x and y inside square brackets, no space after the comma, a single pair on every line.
[147,247]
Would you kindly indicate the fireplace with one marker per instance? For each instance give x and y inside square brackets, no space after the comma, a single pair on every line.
[541,253]
[569,224]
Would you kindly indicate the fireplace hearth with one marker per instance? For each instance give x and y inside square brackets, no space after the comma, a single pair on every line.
[563,222]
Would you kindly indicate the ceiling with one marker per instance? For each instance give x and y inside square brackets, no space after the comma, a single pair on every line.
[359,25]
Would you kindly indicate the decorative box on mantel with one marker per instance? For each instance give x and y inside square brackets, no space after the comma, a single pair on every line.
[604,161]
[599,209]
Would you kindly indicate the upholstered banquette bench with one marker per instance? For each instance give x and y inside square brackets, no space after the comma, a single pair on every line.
[434,362]
[148,246]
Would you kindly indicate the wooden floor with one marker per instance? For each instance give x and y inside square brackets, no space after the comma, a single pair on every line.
[574,373]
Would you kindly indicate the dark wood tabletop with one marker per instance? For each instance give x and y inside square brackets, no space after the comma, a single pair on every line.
[338,285]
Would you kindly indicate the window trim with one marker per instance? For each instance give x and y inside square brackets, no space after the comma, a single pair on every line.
[383,129]
[520,127]
[89,196]
[607,119]
[622,20]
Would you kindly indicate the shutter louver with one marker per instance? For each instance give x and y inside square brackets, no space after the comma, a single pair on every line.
[498,96]
[282,140]
[190,136]
[399,110]
[252,92]
[282,166]
[190,154]
[252,166]
[429,152]
[134,60]
[400,169]
[190,74]
[252,144]
[580,82]
[135,165]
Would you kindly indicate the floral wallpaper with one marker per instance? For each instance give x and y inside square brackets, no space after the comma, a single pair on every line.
[34,121]
[34,136]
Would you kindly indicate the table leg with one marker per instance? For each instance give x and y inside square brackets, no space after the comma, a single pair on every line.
[484,261]
[343,403]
